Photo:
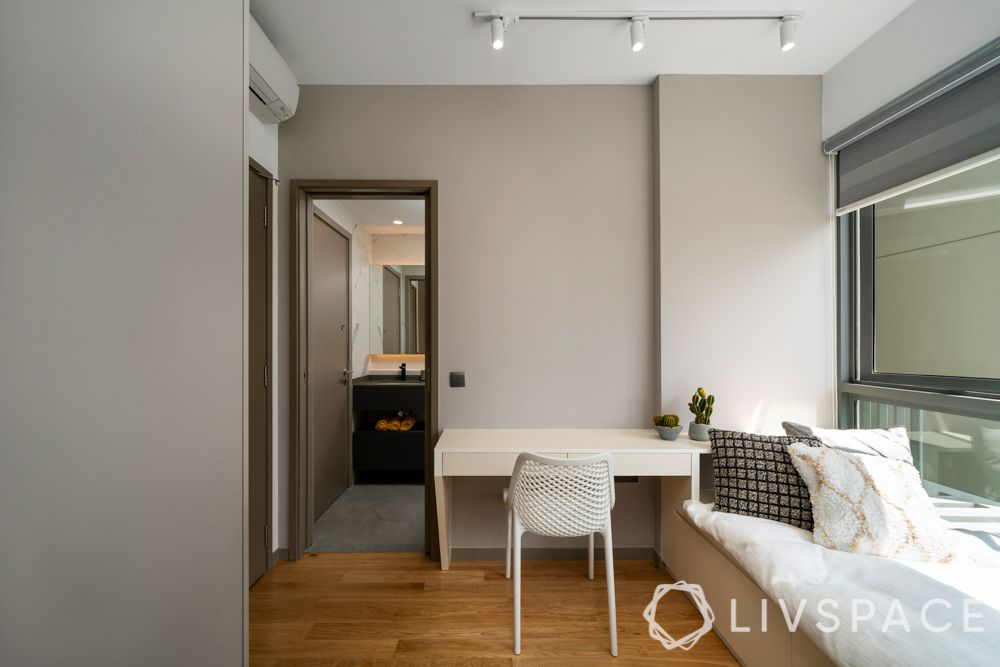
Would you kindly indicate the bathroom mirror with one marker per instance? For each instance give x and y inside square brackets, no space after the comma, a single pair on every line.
[396,282]
[396,309]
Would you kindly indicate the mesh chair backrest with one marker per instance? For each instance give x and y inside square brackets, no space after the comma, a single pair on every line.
[561,498]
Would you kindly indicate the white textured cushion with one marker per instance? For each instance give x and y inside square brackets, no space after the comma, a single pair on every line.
[892,443]
[870,505]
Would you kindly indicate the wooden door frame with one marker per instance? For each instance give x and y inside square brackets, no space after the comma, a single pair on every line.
[256,167]
[302,192]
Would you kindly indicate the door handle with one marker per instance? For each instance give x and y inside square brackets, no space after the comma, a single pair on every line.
[346,376]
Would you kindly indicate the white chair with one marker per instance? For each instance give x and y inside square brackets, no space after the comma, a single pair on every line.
[561,498]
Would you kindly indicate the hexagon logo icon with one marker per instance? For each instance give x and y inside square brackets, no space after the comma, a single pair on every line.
[698,598]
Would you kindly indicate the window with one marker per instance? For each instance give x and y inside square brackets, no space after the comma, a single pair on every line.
[957,456]
[920,326]
[930,285]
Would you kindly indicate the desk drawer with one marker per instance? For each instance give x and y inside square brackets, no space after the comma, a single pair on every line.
[667,465]
[485,464]
[647,465]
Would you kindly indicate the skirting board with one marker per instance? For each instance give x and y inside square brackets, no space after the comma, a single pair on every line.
[553,553]
[280,553]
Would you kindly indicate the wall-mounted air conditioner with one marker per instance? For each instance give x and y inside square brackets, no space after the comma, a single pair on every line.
[274,90]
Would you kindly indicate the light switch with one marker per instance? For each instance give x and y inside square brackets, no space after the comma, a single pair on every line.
[457,378]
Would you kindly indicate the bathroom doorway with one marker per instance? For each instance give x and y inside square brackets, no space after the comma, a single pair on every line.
[387,501]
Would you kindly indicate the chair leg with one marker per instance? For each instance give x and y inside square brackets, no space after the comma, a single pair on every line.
[590,556]
[610,567]
[517,586]
[509,530]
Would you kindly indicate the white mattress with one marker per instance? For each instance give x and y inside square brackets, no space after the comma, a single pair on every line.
[786,564]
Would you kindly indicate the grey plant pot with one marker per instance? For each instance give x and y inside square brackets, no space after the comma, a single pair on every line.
[668,433]
[698,431]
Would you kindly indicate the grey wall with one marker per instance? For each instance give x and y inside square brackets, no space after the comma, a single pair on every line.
[746,276]
[535,182]
[121,287]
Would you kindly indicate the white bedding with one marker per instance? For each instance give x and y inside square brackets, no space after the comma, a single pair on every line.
[789,567]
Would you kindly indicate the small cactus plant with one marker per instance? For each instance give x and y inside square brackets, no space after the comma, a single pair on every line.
[701,406]
[667,421]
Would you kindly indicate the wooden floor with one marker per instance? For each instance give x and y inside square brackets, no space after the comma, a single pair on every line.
[400,609]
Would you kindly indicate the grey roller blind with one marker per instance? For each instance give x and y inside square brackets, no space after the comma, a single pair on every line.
[960,124]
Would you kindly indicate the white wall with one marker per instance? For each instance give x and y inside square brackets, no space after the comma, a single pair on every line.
[263,143]
[923,40]
[746,250]
[534,183]
[121,341]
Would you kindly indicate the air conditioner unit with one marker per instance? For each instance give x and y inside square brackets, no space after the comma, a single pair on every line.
[274,90]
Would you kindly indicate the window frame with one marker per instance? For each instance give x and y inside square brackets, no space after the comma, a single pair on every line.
[860,243]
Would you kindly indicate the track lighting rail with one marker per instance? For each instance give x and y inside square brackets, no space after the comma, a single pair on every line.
[638,21]
[652,15]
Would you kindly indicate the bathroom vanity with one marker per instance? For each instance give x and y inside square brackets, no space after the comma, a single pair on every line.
[387,455]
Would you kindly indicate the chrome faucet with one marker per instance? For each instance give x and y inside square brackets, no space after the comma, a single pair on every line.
[402,372]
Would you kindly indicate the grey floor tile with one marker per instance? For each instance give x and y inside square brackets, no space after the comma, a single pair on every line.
[373,517]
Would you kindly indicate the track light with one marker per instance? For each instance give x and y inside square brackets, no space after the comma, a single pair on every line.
[497,28]
[788,21]
[637,31]
[787,32]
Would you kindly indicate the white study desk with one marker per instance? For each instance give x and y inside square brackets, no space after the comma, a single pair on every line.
[634,452]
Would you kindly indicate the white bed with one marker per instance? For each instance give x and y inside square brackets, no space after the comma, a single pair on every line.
[787,567]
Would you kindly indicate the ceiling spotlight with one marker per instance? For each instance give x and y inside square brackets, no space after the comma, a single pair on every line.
[399,222]
[496,27]
[637,31]
[787,31]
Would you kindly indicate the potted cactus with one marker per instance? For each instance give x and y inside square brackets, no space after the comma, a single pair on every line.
[668,426]
[701,407]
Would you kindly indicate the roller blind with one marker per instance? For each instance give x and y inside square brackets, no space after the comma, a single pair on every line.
[924,136]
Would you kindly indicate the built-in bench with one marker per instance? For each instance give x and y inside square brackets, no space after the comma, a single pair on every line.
[747,566]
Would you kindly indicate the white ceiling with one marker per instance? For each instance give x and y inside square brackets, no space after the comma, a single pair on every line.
[376,215]
[438,42]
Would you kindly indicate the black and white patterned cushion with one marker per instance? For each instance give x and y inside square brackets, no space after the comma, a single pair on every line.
[754,476]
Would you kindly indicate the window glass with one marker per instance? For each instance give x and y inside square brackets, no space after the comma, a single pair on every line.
[957,456]
[937,278]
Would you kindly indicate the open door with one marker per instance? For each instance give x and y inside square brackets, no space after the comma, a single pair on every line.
[330,361]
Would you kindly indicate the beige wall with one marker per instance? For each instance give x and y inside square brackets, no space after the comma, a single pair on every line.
[746,263]
[535,182]
[121,284]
